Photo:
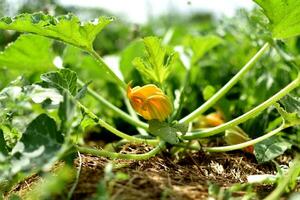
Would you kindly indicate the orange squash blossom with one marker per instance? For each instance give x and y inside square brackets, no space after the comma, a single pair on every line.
[150,102]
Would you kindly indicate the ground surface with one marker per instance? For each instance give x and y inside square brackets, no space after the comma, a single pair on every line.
[166,177]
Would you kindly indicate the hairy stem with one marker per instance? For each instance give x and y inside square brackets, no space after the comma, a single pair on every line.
[204,107]
[116,110]
[114,155]
[114,130]
[121,83]
[245,144]
[250,114]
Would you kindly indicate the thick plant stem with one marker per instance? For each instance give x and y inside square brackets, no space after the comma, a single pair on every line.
[204,107]
[245,144]
[114,155]
[110,128]
[250,114]
[116,110]
[293,171]
[121,83]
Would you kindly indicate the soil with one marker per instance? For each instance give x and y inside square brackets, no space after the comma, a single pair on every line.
[166,177]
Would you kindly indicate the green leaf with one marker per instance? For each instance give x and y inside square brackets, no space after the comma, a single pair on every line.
[41,141]
[200,45]
[290,112]
[158,61]
[166,131]
[291,104]
[182,128]
[28,52]
[63,79]
[270,148]
[135,49]
[66,28]
[83,64]
[283,16]
[208,92]
[3,147]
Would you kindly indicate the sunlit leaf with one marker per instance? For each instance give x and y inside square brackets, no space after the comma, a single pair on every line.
[28,53]
[157,63]
[283,16]
[135,49]
[83,64]
[66,28]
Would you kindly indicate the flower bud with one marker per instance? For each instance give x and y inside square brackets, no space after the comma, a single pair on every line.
[236,136]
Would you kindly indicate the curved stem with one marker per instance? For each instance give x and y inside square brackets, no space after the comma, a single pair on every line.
[245,144]
[116,110]
[204,107]
[114,155]
[285,180]
[250,114]
[121,83]
[110,128]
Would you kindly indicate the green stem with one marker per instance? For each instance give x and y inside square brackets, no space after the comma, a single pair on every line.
[116,110]
[204,107]
[114,155]
[285,180]
[110,128]
[121,83]
[245,144]
[250,114]
[72,190]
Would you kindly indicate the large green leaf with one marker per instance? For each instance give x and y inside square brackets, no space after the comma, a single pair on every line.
[270,148]
[29,52]
[283,16]
[39,144]
[135,49]
[66,28]
[42,131]
[83,64]
[63,80]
